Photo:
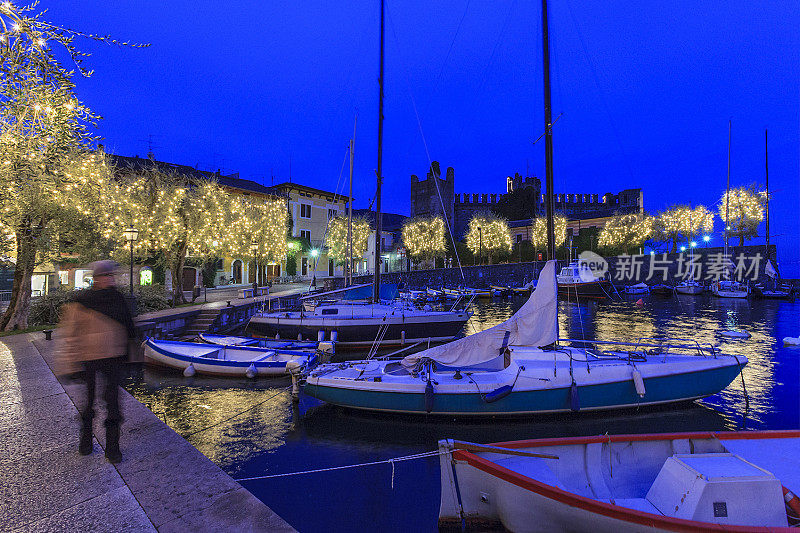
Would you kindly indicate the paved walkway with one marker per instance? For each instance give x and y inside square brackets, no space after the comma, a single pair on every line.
[162,484]
[221,300]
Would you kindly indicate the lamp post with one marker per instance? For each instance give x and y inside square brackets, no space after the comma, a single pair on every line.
[480,245]
[254,249]
[131,236]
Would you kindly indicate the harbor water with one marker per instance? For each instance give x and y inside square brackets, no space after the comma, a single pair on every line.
[276,437]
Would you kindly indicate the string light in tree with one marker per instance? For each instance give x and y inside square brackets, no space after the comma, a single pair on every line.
[489,233]
[336,238]
[539,238]
[625,231]
[424,237]
[745,212]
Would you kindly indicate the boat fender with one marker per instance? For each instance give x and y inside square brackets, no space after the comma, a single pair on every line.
[277,336]
[498,394]
[639,303]
[299,336]
[251,371]
[638,382]
[189,371]
[320,335]
[334,336]
[792,502]
[574,400]
[429,397]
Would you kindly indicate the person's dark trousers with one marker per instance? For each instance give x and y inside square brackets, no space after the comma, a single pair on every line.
[110,369]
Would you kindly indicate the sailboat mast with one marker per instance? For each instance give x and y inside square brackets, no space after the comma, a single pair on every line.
[766,175]
[548,137]
[349,273]
[376,288]
[728,191]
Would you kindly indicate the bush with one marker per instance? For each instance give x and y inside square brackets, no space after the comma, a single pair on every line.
[151,298]
[46,309]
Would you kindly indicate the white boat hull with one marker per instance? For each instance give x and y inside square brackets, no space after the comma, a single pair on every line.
[604,483]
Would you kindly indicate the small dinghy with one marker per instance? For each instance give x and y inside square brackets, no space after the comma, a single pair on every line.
[729,289]
[275,344]
[220,360]
[661,289]
[639,288]
[735,334]
[704,481]
[791,341]
[517,368]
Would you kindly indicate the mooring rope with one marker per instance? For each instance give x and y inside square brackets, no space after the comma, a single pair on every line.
[280,391]
[391,461]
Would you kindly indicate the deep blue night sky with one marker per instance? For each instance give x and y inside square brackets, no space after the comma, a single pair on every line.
[646,90]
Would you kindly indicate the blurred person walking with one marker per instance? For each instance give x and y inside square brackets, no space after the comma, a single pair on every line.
[97,326]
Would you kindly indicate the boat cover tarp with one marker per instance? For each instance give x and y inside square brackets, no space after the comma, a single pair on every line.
[534,324]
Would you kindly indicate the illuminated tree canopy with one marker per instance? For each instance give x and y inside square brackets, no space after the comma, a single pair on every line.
[682,221]
[44,137]
[539,237]
[336,238]
[424,237]
[625,231]
[745,213]
[488,233]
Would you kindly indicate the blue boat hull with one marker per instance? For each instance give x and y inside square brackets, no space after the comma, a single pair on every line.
[614,395]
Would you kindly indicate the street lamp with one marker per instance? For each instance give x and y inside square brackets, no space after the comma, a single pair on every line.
[256,281]
[693,244]
[131,236]
[706,238]
[480,245]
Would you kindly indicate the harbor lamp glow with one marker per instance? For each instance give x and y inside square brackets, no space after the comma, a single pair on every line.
[683,248]
[131,236]
[693,244]
[314,252]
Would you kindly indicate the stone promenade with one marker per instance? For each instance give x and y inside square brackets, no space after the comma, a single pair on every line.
[162,484]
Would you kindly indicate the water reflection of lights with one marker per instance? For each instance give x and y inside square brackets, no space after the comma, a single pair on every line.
[187,406]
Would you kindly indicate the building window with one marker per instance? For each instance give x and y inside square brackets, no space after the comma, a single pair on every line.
[519,238]
[332,213]
[305,234]
[304,268]
[330,267]
[305,211]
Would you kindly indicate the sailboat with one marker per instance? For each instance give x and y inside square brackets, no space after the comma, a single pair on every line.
[777,289]
[727,288]
[518,366]
[372,323]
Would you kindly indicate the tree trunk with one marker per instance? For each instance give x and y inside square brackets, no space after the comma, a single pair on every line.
[177,275]
[16,316]
[741,239]
[674,245]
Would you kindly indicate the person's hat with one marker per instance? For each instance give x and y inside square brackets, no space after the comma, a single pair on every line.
[106,266]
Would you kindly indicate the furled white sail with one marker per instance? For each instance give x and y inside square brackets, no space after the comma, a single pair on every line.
[535,324]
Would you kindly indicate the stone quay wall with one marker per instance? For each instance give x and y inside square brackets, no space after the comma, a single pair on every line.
[749,263]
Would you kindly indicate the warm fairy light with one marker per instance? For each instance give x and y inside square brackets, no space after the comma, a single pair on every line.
[336,238]
[683,221]
[539,237]
[745,212]
[424,237]
[489,233]
[624,231]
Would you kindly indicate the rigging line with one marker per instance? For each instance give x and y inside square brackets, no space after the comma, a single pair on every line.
[450,49]
[428,155]
[328,223]
[600,91]
[497,43]
[413,457]
[186,436]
